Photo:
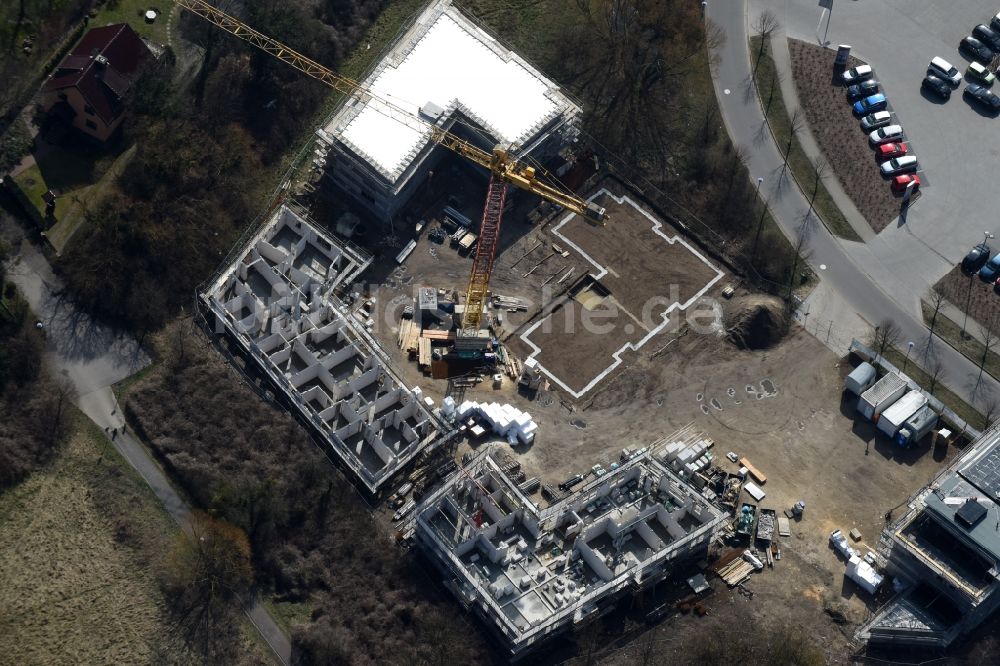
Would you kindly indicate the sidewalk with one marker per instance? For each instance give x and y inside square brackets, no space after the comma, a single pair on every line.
[783,65]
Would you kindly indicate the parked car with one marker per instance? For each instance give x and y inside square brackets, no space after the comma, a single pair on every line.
[875,120]
[975,49]
[976,259]
[987,36]
[898,165]
[902,181]
[982,95]
[886,134]
[937,86]
[941,68]
[862,89]
[869,104]
[859,73]
[888,150]
[989,271]
[979,73]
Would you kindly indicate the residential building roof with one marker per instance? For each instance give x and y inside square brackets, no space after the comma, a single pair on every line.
[101,67]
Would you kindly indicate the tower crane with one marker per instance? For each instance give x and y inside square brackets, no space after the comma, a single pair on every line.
[505,168]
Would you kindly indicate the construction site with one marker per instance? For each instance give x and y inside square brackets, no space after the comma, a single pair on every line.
[570,407]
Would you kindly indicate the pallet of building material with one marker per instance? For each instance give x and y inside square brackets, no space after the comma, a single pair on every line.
[404,332]
[754,472]
[424,355]
[412,340]
[738,574]
[429,334]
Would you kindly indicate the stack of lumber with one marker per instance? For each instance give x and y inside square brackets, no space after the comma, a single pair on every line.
[735,572]
[408,337]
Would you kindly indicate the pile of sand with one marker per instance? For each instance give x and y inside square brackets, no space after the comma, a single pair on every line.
[755,321]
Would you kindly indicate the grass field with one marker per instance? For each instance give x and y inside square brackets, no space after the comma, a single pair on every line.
[82,541]
[801,168]
[76,576]
[132,12]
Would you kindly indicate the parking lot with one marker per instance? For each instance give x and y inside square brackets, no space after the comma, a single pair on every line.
[958,145]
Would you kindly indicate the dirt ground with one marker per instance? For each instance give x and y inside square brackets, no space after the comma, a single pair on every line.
[804,438]
[983,300]
[643,275]
[832,121]
[781,407]
[81,541]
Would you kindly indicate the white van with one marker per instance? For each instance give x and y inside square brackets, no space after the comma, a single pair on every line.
[942,68]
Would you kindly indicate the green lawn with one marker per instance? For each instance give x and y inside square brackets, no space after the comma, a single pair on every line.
[72,208]
[33,184]
[799,164]
[970,347]
[950,400]
[132,12]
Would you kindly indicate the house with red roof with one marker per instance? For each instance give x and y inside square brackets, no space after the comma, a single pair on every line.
[89,88]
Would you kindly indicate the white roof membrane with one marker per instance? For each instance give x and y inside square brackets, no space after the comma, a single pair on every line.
[452,67]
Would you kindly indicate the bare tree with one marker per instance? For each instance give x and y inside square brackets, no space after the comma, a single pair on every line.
[820,168]
[990,410]
[989,341]
[934,371]
[796,122]
[777,79]
[884,336]
[764,27]
[936,299]
[797,254]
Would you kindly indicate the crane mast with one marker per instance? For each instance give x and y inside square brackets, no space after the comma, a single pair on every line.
[504,168]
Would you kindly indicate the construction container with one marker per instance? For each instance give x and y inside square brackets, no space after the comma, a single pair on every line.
[894,416]
[881,395]
[917,426]
[861,378]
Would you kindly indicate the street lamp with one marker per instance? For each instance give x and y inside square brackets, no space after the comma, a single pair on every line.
[987,236]
[909,348]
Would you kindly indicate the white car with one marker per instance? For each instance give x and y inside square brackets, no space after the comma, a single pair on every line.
[898,165]
[859,73]
[875,120]
[886,134]
[943,69]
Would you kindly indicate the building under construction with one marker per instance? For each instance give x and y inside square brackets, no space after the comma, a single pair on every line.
[944,552]
[279,301]
[445,72]
[530,572]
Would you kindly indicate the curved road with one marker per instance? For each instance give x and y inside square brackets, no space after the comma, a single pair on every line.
[825,253]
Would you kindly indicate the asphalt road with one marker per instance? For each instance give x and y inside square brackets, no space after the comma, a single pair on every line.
[93,358]
[827,255]
[957,144]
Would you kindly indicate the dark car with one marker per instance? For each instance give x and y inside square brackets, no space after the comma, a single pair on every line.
[976,49]
[976,259]
[862,89]
[939,87]
[988,273]
[982,95]
[987,36]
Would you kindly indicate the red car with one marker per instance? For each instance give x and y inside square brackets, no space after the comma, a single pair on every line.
[900,182]
[889,150]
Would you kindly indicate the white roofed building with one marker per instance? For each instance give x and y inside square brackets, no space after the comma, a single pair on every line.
[447,71]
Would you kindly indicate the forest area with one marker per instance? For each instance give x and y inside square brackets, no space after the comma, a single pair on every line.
[209,153]
[313,540]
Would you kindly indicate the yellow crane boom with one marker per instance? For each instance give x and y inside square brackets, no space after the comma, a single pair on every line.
[500,162]
[504,168]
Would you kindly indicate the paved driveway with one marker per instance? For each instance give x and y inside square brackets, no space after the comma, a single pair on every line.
[958,147]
